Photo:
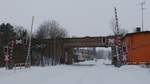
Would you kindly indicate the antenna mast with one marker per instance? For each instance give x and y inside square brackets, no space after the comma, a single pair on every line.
[142,9]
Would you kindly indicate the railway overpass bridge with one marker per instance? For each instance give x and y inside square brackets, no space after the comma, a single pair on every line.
[62,48]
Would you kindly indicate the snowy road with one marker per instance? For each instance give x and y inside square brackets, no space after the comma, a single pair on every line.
[82,73]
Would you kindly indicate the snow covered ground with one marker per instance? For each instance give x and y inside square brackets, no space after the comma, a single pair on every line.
[89,72]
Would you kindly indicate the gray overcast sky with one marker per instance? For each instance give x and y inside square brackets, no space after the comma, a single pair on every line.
[79,17]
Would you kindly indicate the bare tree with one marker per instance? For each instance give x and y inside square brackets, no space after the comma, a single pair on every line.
[51,30]
[113,27]
[42,31]
[123,32]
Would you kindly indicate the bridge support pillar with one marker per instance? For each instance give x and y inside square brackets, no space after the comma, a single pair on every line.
[69,55]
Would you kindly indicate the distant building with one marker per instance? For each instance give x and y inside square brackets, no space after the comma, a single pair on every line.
[83,54]
[136,48]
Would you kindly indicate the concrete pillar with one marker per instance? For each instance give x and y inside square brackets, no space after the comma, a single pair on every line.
[69,55]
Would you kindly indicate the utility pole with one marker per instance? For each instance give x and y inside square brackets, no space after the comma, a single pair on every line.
[142,17]
[28,60]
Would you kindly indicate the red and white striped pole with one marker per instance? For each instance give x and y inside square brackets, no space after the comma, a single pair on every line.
[117,39]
